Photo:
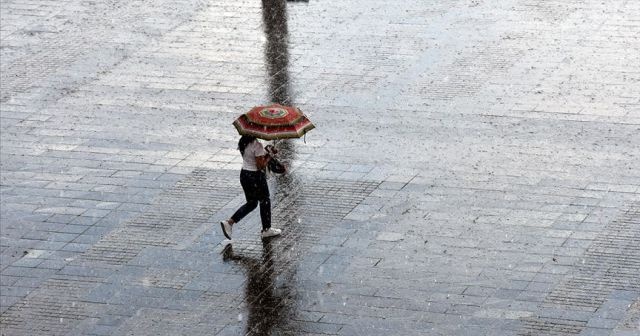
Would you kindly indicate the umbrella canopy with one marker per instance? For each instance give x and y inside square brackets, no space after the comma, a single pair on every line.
[273,122]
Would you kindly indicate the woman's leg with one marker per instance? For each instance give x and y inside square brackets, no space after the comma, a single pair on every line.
[256,190]
[244,210]
[265,202]
[265,213]
[248,181]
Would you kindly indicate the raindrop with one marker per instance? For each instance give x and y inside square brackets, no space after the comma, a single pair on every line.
[240,317]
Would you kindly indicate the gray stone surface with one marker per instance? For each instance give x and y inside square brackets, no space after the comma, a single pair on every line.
[473,171]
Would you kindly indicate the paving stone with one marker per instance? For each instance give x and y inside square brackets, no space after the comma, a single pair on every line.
[52,264]
[27,262]
[602,323]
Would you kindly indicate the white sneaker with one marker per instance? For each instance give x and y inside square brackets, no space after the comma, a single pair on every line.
[270,232]
[226,229]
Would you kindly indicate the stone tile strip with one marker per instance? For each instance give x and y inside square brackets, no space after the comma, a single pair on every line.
[472,70]
[62,41]
[552,326]
[52,309]
[172,218]
[610,264]
[150,321]
[57,306]
[310,208]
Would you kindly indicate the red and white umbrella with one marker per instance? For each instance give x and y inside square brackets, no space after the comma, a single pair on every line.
[273,122]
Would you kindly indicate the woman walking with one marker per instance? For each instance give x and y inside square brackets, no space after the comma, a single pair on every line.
[254,183]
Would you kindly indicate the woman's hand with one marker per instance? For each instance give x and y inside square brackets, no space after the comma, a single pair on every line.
[271,150]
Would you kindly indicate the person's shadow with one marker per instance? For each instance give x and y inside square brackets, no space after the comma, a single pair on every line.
[268,305]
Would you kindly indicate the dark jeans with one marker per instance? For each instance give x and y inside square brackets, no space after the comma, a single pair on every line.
[256,191]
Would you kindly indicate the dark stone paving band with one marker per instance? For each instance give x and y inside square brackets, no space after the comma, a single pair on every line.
[172,218]
[611,263]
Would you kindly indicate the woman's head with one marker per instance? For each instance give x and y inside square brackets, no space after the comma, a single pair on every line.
[244,141]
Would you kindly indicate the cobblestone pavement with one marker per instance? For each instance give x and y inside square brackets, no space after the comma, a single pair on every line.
[474,170]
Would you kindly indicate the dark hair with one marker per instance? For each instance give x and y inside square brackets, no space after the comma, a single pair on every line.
[244,141]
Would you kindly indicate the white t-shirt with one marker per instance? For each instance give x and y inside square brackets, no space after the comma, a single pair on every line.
[252,150]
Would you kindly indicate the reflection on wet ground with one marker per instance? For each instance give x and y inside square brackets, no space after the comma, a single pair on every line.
[274,17]
[306,209]
[269,296]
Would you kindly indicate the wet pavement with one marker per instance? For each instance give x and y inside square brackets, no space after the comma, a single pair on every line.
[473,171]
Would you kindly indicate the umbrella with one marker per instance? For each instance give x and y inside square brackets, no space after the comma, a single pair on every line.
[273,122]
